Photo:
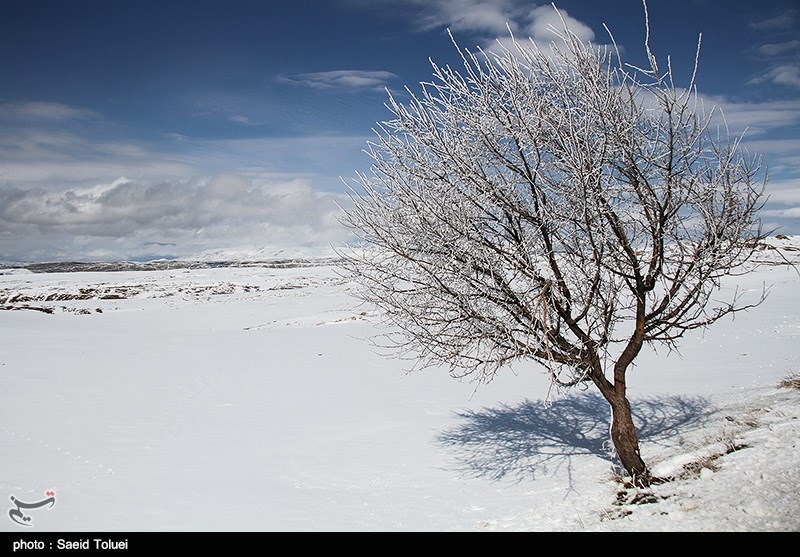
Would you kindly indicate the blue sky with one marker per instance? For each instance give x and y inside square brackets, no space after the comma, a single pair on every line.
[133,129]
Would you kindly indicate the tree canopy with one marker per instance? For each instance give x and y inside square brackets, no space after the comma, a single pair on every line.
[555,204]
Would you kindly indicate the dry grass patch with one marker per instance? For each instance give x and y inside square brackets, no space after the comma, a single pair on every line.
[792,381]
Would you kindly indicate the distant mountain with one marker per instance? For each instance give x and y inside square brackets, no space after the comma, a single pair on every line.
[268,253]
[788,246]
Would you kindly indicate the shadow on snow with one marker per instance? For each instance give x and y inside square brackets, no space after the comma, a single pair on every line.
[519,442]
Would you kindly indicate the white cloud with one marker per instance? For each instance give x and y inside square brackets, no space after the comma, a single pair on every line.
[544,19]
[782,21]
[779,49]
[43,111]
[781,74]
[779,57]
[787,194]
[792,213]
[493,19]
[756,117]
[760,122]
[42,157]
[342,79]
[470,15]
[61,195]
[542,26]
[783,204]
[123,219]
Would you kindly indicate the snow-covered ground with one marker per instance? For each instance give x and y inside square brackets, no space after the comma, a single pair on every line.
[250,398]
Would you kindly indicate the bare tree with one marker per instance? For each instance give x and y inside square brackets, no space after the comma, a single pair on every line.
[553,204]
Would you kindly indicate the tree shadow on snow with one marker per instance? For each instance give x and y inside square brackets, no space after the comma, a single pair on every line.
[519,442]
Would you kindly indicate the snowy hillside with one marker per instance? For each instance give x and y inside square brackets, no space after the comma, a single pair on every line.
[250,398]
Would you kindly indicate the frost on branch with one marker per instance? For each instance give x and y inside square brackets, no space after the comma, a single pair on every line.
[556,205]
[550,204]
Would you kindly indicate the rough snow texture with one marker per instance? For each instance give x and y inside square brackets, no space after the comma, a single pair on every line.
[249,398]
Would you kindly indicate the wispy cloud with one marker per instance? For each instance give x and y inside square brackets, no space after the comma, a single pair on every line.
[767,128]
[24,112]
[782,21]
[783,206]
[755,117]
[780,52]
[493,19]
[791,48]
[488,22]
[780,74]
[342,79]
[44,157]
[479,16]
[763,125]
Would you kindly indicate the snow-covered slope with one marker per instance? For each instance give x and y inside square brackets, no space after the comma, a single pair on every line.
[244,398]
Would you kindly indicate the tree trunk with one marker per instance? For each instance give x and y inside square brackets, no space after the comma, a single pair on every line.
[623,432]
[626,442]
